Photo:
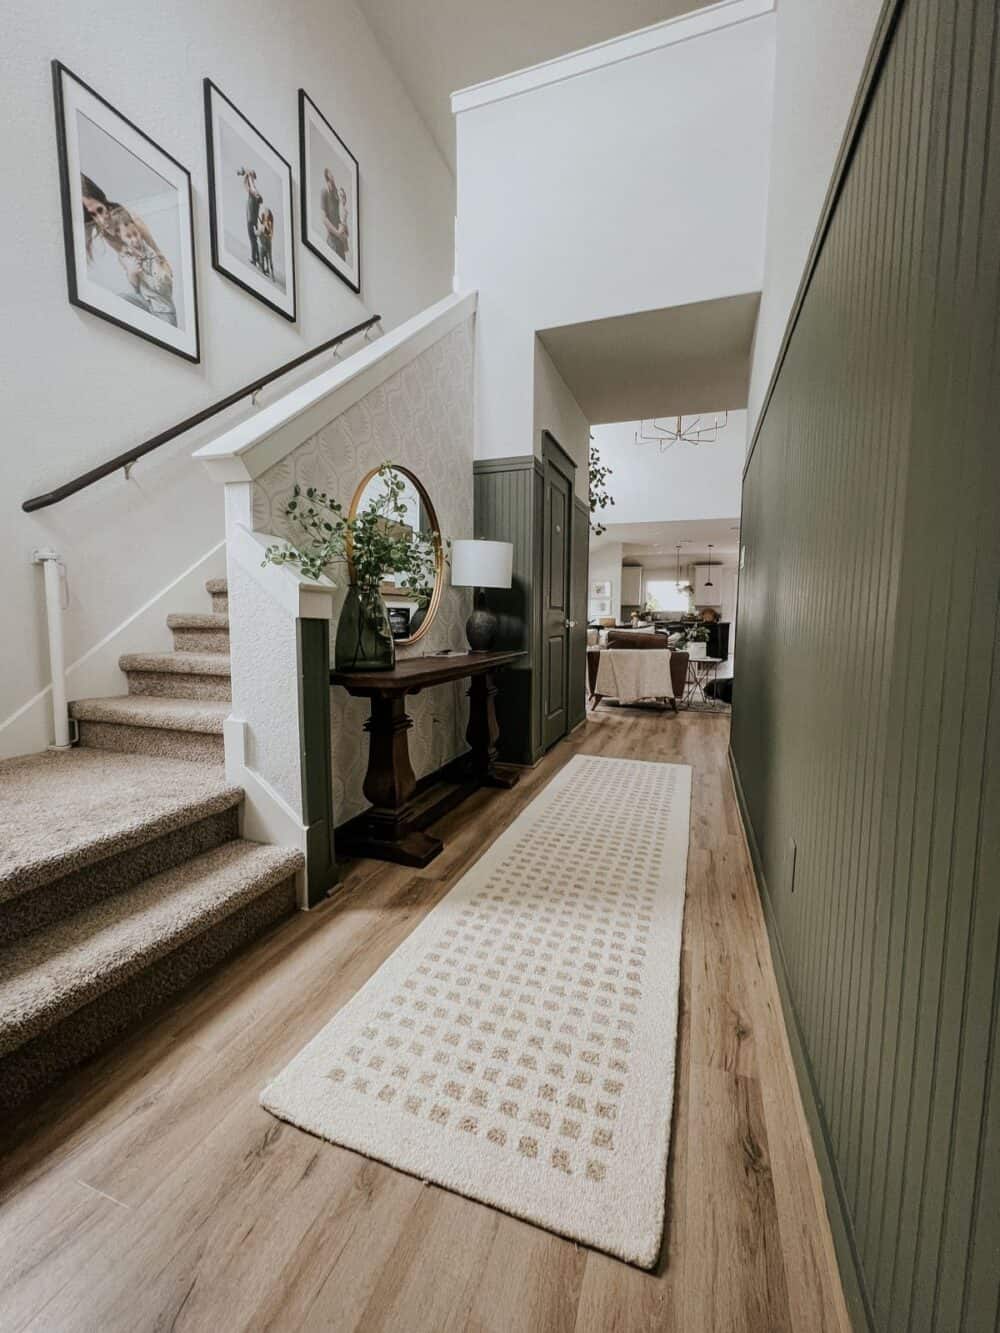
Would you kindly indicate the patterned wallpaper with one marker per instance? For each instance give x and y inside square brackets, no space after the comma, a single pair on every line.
[422,419]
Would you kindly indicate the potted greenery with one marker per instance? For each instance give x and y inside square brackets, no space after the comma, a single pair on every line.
[376,541]
[696,637]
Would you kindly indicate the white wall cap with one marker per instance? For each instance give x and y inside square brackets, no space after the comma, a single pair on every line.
[248,449]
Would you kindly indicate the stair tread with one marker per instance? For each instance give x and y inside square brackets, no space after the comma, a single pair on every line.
[51,973]
[198,620]
[62,811]
[144,710]
[179,663]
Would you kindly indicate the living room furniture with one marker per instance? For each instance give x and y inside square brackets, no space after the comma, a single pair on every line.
[623,641]
[392,829]
[700,672]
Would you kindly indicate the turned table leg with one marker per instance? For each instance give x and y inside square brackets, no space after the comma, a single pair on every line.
[482,733]
[389,784]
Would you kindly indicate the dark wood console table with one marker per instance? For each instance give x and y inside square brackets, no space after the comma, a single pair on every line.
[401,807]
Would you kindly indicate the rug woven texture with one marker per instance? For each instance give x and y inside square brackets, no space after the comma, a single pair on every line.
[518,1047]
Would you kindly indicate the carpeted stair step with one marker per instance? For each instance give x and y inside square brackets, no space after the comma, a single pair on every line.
[84,824]
[218,590]
[200,633]
[178,675]
[67,990]
[145,724]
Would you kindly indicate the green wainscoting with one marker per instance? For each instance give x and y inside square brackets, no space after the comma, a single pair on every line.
[866,726]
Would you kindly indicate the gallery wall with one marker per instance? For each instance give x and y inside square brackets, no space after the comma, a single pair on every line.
[77,390]
[568,180]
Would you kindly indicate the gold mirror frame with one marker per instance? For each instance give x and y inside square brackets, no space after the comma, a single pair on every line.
[425,500]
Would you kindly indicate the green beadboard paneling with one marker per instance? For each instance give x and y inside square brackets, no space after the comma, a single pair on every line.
[507,497]
[865,719]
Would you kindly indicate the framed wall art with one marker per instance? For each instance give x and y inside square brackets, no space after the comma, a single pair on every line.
[128,221]
[250,206]
[330,206]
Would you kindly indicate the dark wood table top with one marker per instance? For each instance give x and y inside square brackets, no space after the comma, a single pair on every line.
[412,674]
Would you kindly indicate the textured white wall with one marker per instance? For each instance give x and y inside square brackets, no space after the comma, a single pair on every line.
[639,185]
[683,482]
[76,390]
[821,50]
[420,418]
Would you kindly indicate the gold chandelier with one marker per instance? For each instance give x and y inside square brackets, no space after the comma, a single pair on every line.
[698,430]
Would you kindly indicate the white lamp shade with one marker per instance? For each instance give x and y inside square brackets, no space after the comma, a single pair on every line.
[477,564]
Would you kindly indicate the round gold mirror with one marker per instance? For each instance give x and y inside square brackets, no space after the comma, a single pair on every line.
[412,603]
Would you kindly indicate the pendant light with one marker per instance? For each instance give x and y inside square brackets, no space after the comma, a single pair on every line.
[708,581]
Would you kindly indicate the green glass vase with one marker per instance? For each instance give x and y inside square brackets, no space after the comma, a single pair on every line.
[364,636]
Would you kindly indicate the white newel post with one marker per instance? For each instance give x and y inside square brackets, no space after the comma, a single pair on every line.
[53,572]
[278,735]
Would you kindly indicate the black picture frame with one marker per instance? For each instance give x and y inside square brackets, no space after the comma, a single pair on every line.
[246,279]
[306,107]
[83,293]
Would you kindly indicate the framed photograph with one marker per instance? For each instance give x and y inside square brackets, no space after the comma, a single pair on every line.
[250,206]
[128,221]
[600,589]
[600,606]
[330,208]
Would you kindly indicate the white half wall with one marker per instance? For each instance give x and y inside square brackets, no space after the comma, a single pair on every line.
[684,482]
[822,46]
[630,177]
[75,389]
[420,417]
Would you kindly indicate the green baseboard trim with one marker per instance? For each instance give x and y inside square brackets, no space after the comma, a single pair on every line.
[856,1294]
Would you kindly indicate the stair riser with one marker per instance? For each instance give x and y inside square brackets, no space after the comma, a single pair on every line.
[28,1070]
[174,685]
[72,893]
[201,747]
[191,640]
[220,603]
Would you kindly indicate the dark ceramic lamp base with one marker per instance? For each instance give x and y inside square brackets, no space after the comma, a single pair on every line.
[481,629]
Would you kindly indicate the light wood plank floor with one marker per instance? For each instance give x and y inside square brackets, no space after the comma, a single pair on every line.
[152,1192]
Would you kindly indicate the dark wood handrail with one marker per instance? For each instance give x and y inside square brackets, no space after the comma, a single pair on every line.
[165,436]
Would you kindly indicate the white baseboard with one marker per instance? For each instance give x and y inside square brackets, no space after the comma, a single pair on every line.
[94,675]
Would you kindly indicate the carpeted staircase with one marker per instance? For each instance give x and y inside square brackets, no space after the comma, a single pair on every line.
[122,872]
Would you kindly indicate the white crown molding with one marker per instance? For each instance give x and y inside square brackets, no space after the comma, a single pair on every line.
[251,447]
[700,23]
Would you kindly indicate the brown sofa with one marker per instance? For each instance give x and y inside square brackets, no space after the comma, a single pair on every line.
[637,639]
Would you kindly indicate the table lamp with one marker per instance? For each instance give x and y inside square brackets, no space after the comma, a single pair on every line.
[479,565]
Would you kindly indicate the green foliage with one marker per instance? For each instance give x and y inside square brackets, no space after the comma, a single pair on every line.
[697,634]
[376,541]
[599,495]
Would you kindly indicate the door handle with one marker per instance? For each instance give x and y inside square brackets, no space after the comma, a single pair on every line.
[571,624]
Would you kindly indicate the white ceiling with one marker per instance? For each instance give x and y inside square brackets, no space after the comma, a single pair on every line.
[439,46]
[683,359]
[654,544]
